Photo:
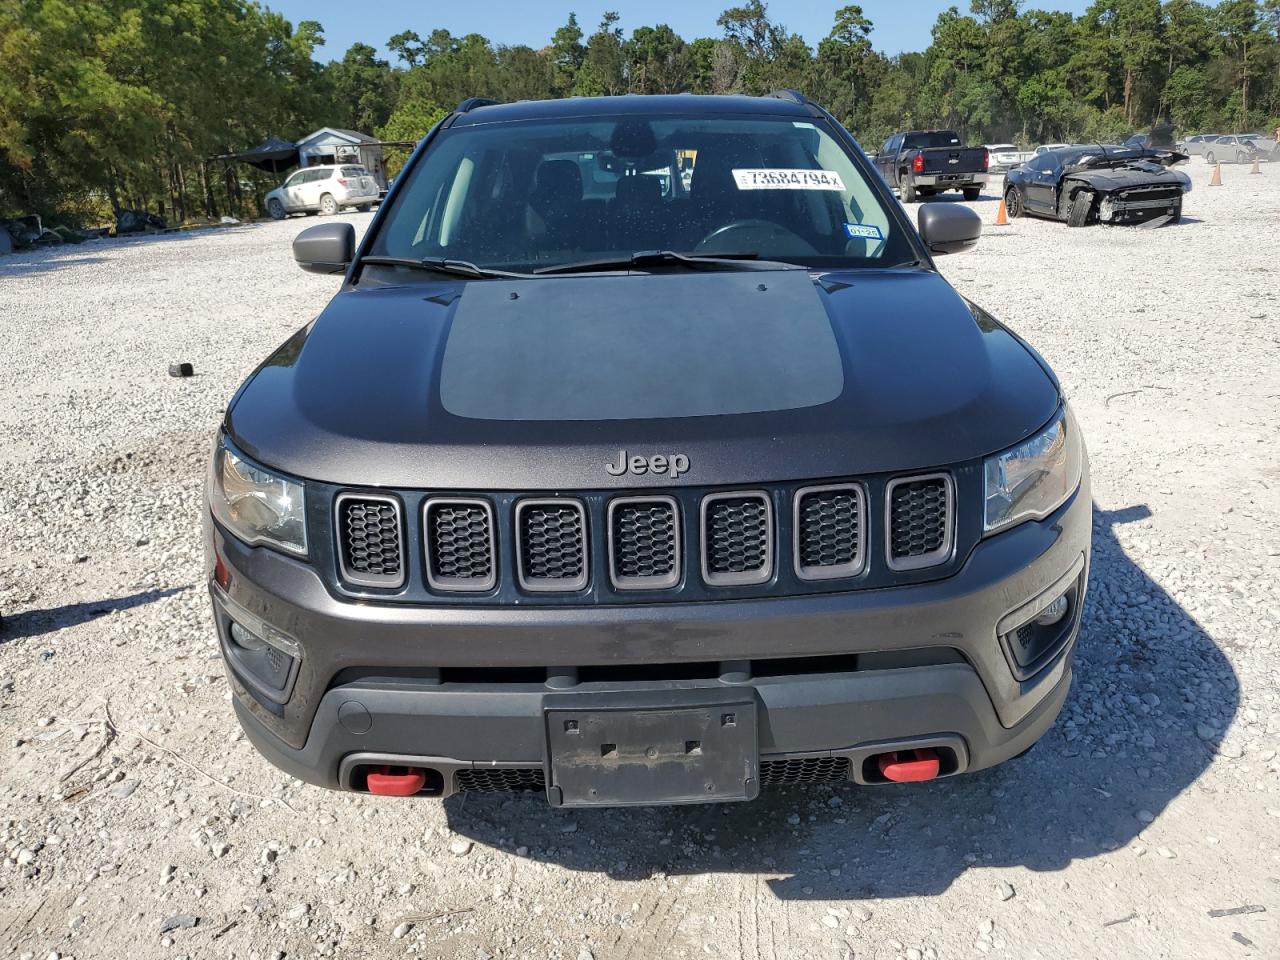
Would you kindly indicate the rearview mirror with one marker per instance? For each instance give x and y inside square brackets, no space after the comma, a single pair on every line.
[325,248]
[947,228]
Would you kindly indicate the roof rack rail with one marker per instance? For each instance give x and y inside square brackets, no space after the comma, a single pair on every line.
[795,96]
[472,102]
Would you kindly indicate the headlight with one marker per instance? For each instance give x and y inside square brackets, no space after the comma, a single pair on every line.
[1034,478]
[257,505]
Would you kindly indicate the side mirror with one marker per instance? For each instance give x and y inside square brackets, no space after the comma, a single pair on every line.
[325,248]
[946,228]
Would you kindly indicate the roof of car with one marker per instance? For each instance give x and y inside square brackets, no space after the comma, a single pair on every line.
[642,105]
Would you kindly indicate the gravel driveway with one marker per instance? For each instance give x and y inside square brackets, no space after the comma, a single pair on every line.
[1154,802]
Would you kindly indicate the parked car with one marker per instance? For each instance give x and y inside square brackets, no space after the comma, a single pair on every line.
[538,502]
[1095,183]
[1046,147]
[1196,146]
[323,189]
[921,163]
[1005,156]
[1230,150]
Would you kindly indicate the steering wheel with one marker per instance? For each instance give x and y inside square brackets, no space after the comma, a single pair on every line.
[743,235]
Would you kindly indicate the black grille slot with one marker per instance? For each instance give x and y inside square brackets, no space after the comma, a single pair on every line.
[460,545]
[737,538]
[829,525]
[553,544]
[369,540]
[919,521]
[644,543]
[500,779]
[777,773]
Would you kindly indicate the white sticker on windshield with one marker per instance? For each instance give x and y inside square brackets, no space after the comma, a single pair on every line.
[788,180]
[863,231]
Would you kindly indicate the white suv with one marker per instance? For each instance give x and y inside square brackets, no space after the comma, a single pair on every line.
[325,189]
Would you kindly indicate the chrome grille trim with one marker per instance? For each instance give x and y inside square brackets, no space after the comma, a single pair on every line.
[933,557]
[459,584]
[551,584]
[665,581]
[834,571]
[745,577]
[356,577]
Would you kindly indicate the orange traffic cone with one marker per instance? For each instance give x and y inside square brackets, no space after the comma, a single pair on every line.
[1002,215]
[1256,168]
[1216,179]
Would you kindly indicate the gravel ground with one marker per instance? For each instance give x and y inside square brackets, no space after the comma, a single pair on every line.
[1154,802]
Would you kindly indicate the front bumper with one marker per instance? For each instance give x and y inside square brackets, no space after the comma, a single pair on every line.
[374,681]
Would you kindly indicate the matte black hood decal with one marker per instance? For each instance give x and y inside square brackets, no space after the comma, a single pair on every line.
[640,347]
[356,397]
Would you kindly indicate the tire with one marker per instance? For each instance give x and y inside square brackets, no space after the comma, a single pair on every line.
[972,193]
[908,191]
[1176,216]
[1012,203]
[1209,156]
[364,207]
[1081,204]
[276,209]
[328,205]
[1242,158]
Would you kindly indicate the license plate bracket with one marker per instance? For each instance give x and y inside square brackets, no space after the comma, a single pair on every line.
[679,746]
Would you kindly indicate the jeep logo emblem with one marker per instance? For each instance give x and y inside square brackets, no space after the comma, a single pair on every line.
[672,464]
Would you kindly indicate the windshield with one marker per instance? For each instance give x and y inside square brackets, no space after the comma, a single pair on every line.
[526,195]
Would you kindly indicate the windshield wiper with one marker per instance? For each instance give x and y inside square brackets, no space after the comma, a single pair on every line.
[456,268]
[746,260]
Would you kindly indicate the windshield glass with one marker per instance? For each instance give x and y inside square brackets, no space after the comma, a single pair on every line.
[530,194]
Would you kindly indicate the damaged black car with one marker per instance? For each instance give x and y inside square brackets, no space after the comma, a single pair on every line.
[1094,183]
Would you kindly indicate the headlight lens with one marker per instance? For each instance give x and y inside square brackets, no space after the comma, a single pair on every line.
[1034,478]
[257,505]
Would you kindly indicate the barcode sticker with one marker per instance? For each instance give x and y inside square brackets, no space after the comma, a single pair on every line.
[788,180]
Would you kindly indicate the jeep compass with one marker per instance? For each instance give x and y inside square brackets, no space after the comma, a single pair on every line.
[645,457]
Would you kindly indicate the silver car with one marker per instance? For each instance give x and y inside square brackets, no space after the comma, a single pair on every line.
[323,189]
[1230,150]
[1195,146]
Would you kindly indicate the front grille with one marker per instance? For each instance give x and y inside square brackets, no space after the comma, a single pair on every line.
[737,538]
[776,773]
[369,540]
[829,523]
[500,779]
[552,552]
[460,545]
[919,523]
[644,543]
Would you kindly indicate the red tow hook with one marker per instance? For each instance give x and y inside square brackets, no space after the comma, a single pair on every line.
[909,766]
[396,781]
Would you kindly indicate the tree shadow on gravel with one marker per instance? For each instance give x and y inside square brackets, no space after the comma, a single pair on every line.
[1147,677]
[16,269]
[33,623]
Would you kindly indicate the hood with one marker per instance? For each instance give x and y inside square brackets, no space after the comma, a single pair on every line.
[752,376]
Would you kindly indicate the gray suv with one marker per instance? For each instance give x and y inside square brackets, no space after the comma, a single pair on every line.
[645,457]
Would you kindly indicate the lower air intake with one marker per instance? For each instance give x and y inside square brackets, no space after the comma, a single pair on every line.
[778,773]
[500,779]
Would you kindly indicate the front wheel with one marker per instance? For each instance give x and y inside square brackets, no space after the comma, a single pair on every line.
[908,190]
[1081,204]
[276,209]
[1012,203]
[972,193]
[1242,158]
[328,205]
[1209,156]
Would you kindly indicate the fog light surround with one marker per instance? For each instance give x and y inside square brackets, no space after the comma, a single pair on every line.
[1034,635]
[261,657]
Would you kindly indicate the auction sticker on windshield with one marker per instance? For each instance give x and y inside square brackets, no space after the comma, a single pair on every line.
[777,179]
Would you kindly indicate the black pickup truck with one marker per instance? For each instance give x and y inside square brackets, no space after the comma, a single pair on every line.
[921,163]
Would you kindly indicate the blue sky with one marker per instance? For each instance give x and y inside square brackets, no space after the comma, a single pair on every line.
[898,25]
